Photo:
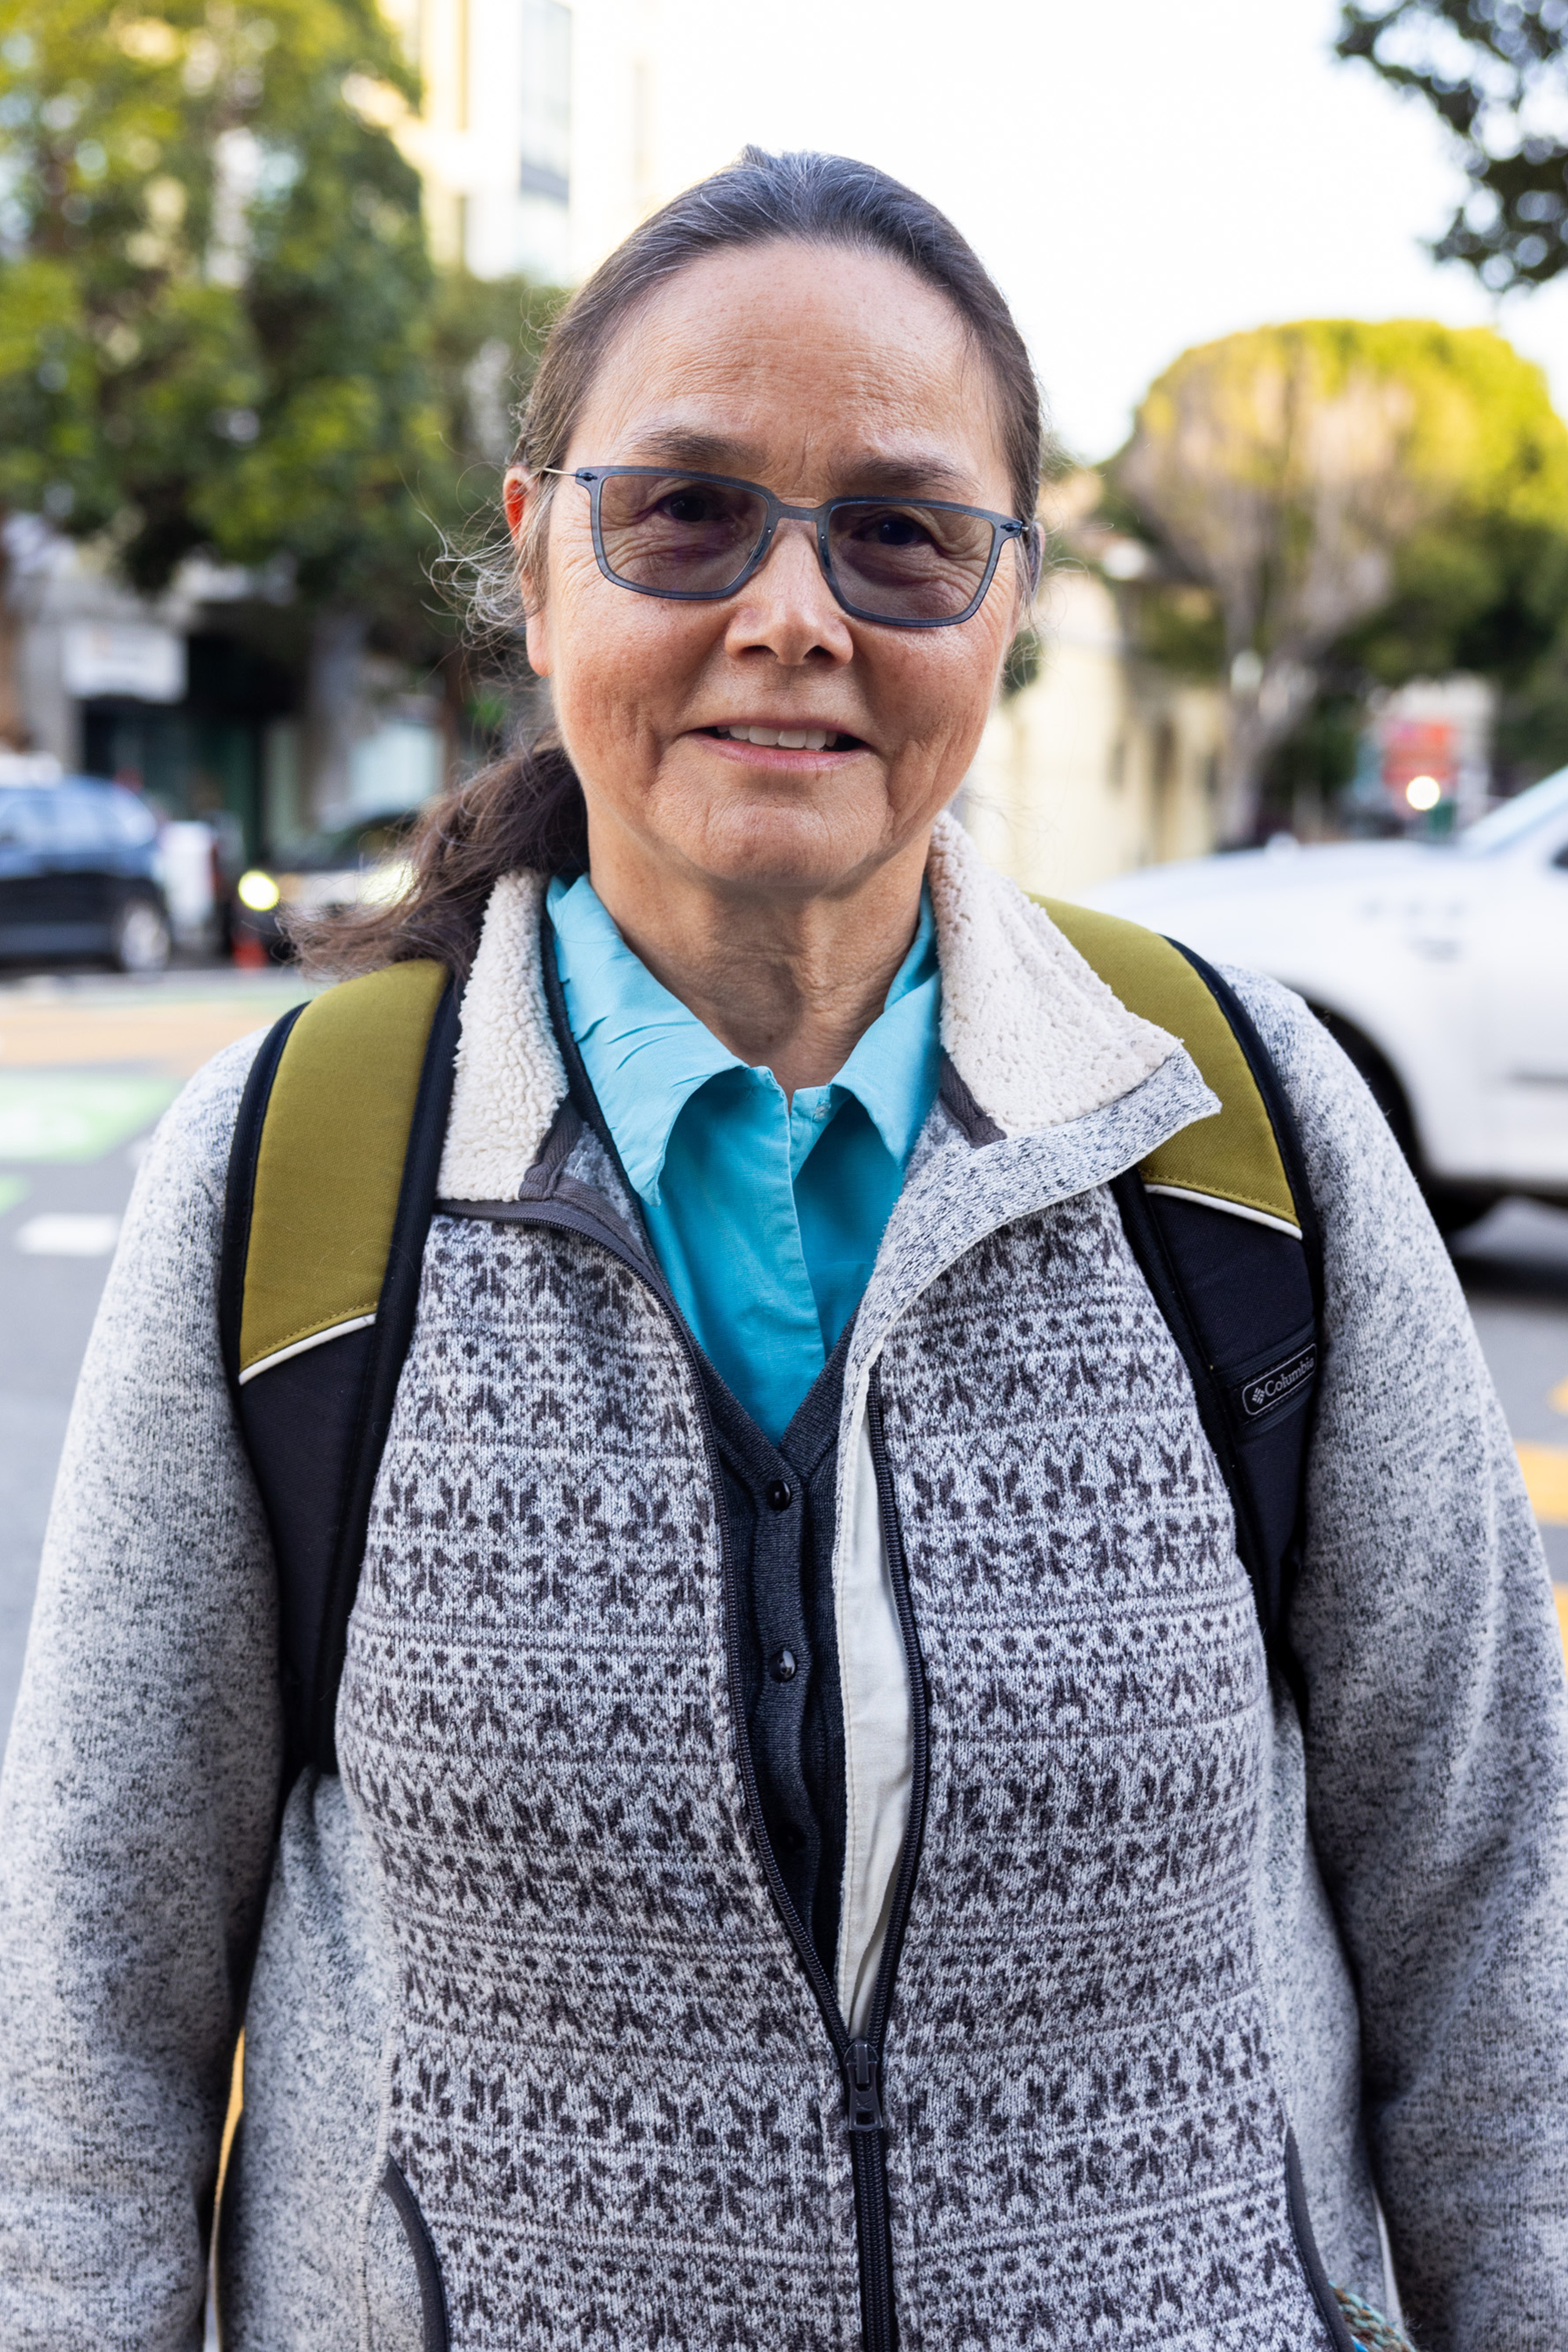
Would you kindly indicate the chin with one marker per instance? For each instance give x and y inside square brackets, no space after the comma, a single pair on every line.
[787,849]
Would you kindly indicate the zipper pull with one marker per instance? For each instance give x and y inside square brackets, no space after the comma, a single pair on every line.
[860,2065]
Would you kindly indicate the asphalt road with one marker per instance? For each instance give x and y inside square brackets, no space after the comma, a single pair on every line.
[87,1066]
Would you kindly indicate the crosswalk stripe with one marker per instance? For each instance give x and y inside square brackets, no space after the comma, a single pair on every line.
[1545,1469]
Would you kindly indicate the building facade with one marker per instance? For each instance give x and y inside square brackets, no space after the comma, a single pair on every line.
[535,137]
[1101,762]
[492,140]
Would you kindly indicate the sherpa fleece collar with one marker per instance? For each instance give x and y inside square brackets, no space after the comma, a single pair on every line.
[1035,1035]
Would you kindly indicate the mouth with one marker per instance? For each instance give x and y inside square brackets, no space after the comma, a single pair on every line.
[787,739]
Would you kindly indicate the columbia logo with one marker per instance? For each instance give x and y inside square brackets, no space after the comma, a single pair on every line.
[1280,1382]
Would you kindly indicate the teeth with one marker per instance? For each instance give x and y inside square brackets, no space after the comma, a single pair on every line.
[788,739]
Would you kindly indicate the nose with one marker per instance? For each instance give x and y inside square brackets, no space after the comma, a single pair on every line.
[786,607]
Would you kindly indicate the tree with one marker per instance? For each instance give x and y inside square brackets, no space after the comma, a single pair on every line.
[215,293]
[1495,71]
[1336,484]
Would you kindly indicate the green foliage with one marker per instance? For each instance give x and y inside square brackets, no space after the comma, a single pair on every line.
[1424,464]
[1481,585]
[485,338]
[1493,71]
[1316,761]
[1487,594]
[1180,625]
[220,326]
[1024,662]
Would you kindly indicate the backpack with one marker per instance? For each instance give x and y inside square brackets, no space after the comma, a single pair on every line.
[331,1185]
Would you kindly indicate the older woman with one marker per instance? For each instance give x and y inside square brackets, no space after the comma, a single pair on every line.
[820,1854]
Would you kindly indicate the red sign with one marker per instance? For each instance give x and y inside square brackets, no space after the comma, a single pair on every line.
[1419,747]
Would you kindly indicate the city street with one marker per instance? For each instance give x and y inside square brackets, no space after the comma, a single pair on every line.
[88,1064]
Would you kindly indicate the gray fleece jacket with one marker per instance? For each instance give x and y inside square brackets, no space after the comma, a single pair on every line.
[531,2059]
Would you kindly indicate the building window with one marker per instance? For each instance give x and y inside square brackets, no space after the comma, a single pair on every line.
[546,159]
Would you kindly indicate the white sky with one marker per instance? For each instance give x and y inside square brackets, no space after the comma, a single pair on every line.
[1140,174]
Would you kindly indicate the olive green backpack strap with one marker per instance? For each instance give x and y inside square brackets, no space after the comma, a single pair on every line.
[1220,1219]
[331,1180]
[1238,1158]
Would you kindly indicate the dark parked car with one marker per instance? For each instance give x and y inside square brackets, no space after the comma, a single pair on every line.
[79,875]
[356,865]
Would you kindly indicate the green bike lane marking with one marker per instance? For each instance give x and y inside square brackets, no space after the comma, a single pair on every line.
[69,1117]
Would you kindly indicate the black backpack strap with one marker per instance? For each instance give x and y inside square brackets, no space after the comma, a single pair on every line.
[1222,1223]
[331,1187]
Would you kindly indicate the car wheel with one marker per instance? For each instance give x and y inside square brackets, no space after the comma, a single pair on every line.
[139,938]
[1382,1085]
[1453,1206]
[1456,1206]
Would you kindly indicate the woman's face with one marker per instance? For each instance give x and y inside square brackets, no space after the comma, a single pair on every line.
[816,373]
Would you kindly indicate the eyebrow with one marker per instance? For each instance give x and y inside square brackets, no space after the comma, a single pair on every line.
[880,476]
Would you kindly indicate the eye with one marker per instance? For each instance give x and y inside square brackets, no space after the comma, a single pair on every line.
[690,506]
[897,530]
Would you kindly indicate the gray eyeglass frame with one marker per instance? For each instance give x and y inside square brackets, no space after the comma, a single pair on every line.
[1003,527]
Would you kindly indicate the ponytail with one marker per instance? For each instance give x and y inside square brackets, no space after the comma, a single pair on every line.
[525,811]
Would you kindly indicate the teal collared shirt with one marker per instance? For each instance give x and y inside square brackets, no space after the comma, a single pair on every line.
[765,1213]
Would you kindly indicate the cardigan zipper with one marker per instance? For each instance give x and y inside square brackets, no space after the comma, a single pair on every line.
[860,2056]
[864,2056]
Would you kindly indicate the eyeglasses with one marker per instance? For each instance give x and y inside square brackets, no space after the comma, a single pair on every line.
[908,563]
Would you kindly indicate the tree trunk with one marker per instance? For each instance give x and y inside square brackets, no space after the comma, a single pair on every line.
[1246,756]
[1259,717]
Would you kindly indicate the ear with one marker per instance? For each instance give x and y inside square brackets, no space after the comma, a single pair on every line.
[518,491]
[519,496]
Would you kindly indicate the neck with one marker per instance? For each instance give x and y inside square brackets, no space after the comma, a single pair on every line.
[788,983]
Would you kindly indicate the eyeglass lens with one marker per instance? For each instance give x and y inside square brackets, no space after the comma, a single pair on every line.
[892,557]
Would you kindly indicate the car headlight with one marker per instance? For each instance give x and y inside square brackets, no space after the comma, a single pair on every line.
[257,891]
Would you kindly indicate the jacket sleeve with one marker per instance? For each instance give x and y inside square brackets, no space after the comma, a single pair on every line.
[1437,1740]
[138,1792]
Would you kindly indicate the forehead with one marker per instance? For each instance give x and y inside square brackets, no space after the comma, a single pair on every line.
[797,363]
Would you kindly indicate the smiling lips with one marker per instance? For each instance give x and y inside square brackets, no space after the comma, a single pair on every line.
[787,739]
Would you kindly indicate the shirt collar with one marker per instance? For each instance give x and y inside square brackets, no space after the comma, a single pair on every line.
[893,1070]
[647,1054]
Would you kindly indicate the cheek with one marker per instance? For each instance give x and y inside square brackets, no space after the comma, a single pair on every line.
[572,619]
[599,652]
[937,686]
[622,667]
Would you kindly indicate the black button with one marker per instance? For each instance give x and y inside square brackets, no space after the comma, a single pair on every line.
[782,1665]
[792,1838]
[780,1495]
